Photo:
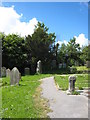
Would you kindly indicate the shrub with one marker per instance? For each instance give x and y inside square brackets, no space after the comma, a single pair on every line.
[73,69]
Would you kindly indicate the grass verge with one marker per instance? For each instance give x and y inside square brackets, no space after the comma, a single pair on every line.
[82,81]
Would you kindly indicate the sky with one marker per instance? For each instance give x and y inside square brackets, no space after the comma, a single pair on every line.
[66,19]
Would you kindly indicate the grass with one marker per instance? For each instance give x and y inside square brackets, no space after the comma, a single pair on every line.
[23,101]
[82,81]
[81,68]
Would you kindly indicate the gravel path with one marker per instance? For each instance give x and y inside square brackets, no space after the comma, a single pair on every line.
[63,105]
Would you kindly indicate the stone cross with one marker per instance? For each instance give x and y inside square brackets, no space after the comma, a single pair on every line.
[15,76]
[39,67]
[8,72]
[3,72]
[27,71]
[72,80]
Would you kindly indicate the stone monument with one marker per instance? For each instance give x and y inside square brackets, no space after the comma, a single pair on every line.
[39,67]
[8,72]
[72,80]
[3,72]
[27,71]
[15,76]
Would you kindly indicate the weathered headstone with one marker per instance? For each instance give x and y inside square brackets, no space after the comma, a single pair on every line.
[3,72]
[60,65]
[27,71]
[15,76]
[64,65]
[88,64]
[53,63]
[72,80]
[39,67]
[8,72]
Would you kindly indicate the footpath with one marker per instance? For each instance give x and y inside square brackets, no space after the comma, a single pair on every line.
[63,105]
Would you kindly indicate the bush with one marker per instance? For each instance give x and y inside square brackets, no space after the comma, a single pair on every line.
[73,69]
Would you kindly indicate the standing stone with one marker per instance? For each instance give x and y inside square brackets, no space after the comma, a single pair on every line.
[64,65]
[72,80]
[39,67]
[8,72]
[27,71]
[3,72]
[88,64]
[15,76]
[60,65]
[53,63]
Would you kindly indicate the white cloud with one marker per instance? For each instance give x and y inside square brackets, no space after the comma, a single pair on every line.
[10,22]
[61,42]
[82,40]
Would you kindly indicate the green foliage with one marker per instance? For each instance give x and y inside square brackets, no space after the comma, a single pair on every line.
[73,69]
[39,46]
[13,51]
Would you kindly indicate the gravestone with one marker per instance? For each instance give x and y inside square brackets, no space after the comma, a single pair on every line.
[39,67]
[8,72]
[64,65]
[27,71]
[53,63]
[15,76]
[3,72]
[88,64]
[72,80]
[60,65]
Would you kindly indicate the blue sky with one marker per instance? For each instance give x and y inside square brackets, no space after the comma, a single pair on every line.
[66,19]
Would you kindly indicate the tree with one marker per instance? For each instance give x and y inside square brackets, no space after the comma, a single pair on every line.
[73,51]
[62,53]
[13,51]
[39,46]
[85,55]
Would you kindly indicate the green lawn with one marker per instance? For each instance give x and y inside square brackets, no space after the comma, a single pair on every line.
[82,81]
[23,101]
[81,68]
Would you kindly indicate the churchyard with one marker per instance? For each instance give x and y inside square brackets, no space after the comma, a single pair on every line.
[22,99]
[28,60]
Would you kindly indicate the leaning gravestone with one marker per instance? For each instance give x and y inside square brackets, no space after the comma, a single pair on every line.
[27,71]
[3,72]
[39,67]
[8,72]
[15,76]
[72,80]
